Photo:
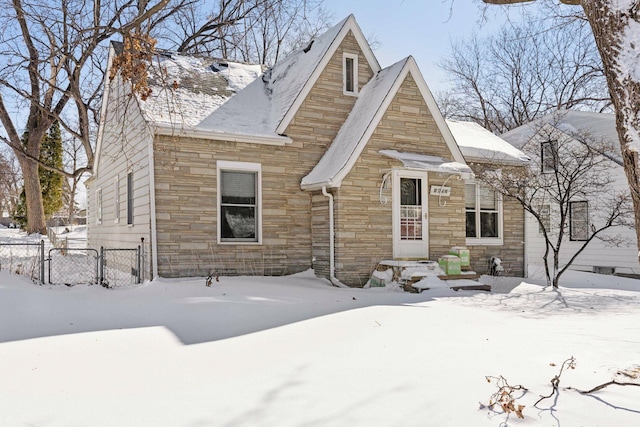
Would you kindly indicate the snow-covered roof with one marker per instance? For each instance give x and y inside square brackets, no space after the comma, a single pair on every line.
[598,126]
[478,144]
[186,89]
[263,107]
[372,102]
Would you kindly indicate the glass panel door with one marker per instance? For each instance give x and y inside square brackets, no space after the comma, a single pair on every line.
[410,209]
[410,219]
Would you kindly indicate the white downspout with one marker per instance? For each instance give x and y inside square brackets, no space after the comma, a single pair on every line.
[152,208]
[332,267]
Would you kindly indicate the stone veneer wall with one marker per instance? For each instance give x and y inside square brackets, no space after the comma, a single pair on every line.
[186,190]
[364,233]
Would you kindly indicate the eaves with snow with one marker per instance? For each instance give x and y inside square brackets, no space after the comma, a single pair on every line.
[479,145]
[226,100]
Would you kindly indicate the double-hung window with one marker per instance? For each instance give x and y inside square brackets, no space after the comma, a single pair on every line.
[116,198]
[239,202]
[579,220]
[99,206]
[483,209]
[545,219]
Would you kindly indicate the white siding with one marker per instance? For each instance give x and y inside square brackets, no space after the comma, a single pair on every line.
[123,149]
[623,258]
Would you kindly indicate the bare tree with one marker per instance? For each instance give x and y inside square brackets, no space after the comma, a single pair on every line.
[52,54]
[568,189]
[257,31]
[10,184]
[74,156]
[523,72]
[613,23]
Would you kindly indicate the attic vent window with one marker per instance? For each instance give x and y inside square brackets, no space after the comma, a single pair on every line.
[219,66]
[308,48]
[350,73]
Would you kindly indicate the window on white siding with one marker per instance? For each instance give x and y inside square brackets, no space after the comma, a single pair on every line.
[130,198]
[549,156]
[99,206]
[239,200]
[545,218]
[579,220]
[483,209]
[116,198]
[350,73]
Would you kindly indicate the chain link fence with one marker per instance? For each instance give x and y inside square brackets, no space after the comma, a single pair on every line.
[74,266]
[25,259]
[121,267]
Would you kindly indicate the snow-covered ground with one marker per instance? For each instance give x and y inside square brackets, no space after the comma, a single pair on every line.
[295,351]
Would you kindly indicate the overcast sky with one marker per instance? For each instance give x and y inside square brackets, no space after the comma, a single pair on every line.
[422,28]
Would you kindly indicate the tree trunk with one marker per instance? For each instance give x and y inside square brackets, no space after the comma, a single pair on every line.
[609,26]
[35,211]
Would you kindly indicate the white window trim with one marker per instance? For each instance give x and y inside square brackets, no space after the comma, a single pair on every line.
[130,199]
[542,156]
[98,201]
[354,57]
[486,241]
[116,198]
[571,204]
[224,165]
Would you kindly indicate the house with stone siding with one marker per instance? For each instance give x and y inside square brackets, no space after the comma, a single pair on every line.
[325,160]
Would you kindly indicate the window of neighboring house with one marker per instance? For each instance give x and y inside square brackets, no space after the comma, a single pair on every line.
[483,215]
[116,198]
[350,70]
[549,156]
[99,206]
[579,220]
[239,200]
[545,218]
[130,198]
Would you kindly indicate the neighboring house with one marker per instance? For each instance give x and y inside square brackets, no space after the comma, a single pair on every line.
[578,127]
[324,161]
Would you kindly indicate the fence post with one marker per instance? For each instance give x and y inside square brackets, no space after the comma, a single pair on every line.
[42,262]
[141,261]
[101,267]
[138,254]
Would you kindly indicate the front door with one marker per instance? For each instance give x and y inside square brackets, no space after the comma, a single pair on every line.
[410,217]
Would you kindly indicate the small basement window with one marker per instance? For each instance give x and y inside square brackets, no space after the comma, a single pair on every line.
[604,270]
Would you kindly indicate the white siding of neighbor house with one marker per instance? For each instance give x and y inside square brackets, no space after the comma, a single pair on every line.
[124,149]
[623,258]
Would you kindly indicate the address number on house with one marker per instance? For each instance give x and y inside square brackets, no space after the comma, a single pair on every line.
[438,190]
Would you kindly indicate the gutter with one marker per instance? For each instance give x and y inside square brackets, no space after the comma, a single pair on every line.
[332,267]
[168,130]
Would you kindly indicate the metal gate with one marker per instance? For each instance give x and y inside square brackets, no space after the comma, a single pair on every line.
[73,266]
[120,267]
[110,268]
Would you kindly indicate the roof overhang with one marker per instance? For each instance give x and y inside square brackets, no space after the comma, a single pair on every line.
[168,130]
[429,163]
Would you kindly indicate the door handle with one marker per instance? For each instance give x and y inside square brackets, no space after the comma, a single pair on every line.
[425,215]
